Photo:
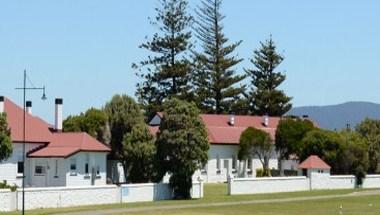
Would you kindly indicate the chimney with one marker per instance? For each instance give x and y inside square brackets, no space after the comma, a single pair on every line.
[266,120]
[29,107]
[232,120]
[58,114]
[1,104]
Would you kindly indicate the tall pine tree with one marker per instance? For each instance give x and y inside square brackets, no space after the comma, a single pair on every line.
[265,97]
[166,70]
[215,79]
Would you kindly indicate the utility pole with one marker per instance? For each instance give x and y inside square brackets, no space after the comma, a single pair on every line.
[25,88]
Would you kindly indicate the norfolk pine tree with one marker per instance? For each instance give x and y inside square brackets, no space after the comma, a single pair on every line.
[265,97]
[167,70]
[215,79]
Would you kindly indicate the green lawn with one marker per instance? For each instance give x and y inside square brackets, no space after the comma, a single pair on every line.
[215,193]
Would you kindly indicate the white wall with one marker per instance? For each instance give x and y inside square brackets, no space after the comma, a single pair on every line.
[154,192]
[237,186]
[80,178]
[319,180]
[8,168]
[315,181]
[342,182]
[371,181]
[56,197]
[7,200]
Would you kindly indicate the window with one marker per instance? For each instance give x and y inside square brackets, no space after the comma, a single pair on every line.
[20,167]
[39,170]
[86,168]
[73,166]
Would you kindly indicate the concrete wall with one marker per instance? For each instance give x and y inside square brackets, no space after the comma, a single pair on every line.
[315,181]
[342,182]
[7,200]
[56,197]
[267,185]
[154,192]
[319,180]
[371,181]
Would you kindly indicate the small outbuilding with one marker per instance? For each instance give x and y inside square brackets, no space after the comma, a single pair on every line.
[314,164]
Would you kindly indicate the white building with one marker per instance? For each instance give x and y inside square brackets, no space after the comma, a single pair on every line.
[53,157]
[224,133]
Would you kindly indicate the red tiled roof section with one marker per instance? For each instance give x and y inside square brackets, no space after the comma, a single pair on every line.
[66,144]
[37,130]
[56,144]
[221,132]
[314,162]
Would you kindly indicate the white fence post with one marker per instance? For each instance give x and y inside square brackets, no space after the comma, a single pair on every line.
[230,184]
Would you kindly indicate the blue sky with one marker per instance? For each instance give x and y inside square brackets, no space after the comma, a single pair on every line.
[83,50]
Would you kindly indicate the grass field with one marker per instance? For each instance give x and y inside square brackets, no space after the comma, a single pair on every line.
[216,193]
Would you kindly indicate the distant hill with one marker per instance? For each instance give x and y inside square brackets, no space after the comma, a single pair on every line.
[338,116]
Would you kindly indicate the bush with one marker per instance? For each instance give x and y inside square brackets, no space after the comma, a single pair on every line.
[262,173]
[4,185]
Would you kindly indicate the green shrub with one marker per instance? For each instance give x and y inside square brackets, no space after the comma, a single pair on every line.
[4,185]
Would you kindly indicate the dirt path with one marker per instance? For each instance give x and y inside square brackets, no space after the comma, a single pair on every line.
[218,204]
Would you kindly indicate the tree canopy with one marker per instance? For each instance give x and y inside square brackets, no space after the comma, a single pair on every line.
[289,135]
[256,143]
[182,145]
[265,97]
[215,78]
[325,144]
[369,129]
[166,72]
[93,121]
[123,113]
[139,152]
[5,138]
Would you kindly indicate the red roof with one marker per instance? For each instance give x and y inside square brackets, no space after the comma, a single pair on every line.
[221,132]
[66,144]
[314,162]
[37,130]
[56,144]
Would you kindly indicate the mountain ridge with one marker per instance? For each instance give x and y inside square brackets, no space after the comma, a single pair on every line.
[338,116]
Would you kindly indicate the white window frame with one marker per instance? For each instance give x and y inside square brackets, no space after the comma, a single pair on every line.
[42,168]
